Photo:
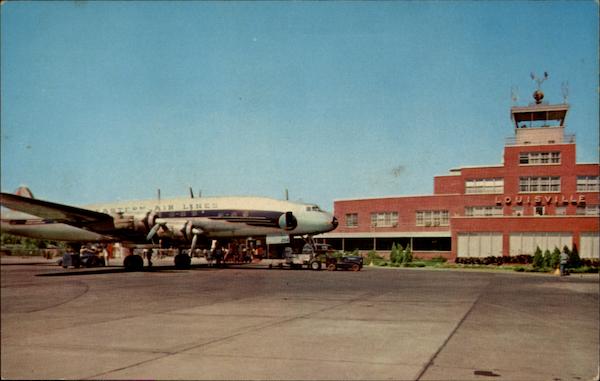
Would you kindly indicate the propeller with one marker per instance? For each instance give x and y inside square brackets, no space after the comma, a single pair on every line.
[196,233]
[159,223]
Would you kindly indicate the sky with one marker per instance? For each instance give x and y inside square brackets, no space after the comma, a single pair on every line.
[104,101]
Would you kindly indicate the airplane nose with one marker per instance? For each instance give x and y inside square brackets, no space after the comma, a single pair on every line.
[334,222]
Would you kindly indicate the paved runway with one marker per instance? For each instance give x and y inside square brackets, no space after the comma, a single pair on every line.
[255,323]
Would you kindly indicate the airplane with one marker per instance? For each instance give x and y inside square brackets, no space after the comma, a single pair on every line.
[176,222]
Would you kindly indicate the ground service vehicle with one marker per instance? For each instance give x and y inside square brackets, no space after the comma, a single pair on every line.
[351,262]
[307,258]
[87,259]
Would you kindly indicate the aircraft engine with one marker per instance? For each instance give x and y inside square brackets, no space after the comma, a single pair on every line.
[287,221]
[139,223]
[144,223]
[179,230]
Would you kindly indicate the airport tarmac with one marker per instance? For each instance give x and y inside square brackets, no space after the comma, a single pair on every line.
[256,323]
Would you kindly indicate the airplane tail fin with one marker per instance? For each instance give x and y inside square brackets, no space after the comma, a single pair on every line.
[23,191]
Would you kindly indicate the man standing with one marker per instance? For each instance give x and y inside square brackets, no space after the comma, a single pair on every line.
[564,259]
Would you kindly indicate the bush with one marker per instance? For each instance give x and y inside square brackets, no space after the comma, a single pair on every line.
[407,255]
[547,258]
[584,269]
[555,258]
[439,259]
[397,253]
[590,262]
[522,259]
[415,264]
[373,257]
[538,259]
[574,259]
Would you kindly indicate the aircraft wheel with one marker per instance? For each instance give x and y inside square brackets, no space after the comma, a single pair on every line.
[92,262]
[315,265]
[331,267]
[133,263]
[355,267]
[183,261]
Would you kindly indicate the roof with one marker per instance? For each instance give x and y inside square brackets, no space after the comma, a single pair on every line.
[539,112]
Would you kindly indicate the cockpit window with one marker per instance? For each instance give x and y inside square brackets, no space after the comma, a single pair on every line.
[313,208]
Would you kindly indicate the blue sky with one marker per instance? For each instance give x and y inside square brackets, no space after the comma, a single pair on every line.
[111,100]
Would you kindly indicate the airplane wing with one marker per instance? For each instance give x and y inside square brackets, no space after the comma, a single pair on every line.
[78,217]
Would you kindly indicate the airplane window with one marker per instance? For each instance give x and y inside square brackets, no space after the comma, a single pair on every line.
[316,209]
[308,209]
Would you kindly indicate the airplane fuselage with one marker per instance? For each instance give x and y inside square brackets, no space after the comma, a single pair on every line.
[180,218]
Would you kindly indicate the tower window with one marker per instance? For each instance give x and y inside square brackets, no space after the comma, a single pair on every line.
[539,158]
[539,184]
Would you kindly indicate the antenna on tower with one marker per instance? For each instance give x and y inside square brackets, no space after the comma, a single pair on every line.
[564,89]
[538,95]
[539,80]
[514,94]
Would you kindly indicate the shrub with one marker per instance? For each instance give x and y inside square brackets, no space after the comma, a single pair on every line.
[439,259]
[590,262]
[397,253]
[393,253]
[555,259]
[407,255]
[538,259]
[373,257]
[574,259]
[585,269]
[524,259]
[547,258]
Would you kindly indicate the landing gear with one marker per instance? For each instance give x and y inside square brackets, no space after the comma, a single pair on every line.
[315,265]
[133,263]
[183,261]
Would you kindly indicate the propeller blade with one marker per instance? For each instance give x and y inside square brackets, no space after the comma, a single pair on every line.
[152,232]
[194,240]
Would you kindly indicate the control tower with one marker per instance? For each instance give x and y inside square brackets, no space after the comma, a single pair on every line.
[540,122]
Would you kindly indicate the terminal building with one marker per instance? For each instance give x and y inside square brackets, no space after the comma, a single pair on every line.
[537,196]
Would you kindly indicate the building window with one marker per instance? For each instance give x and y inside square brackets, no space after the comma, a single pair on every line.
[588,210]
[588,183]
[560,210]
[517,211]
[384,220]
[477,211]
[474,186]
[352,220]
[432,218]
[539,184]
[539,158]
[539,210]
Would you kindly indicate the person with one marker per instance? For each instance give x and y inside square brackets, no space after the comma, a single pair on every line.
[308,249]
[564,259]
[149,256]
[104,256]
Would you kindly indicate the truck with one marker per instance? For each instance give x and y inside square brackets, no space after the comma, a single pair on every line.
[313,256]
[308,258]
